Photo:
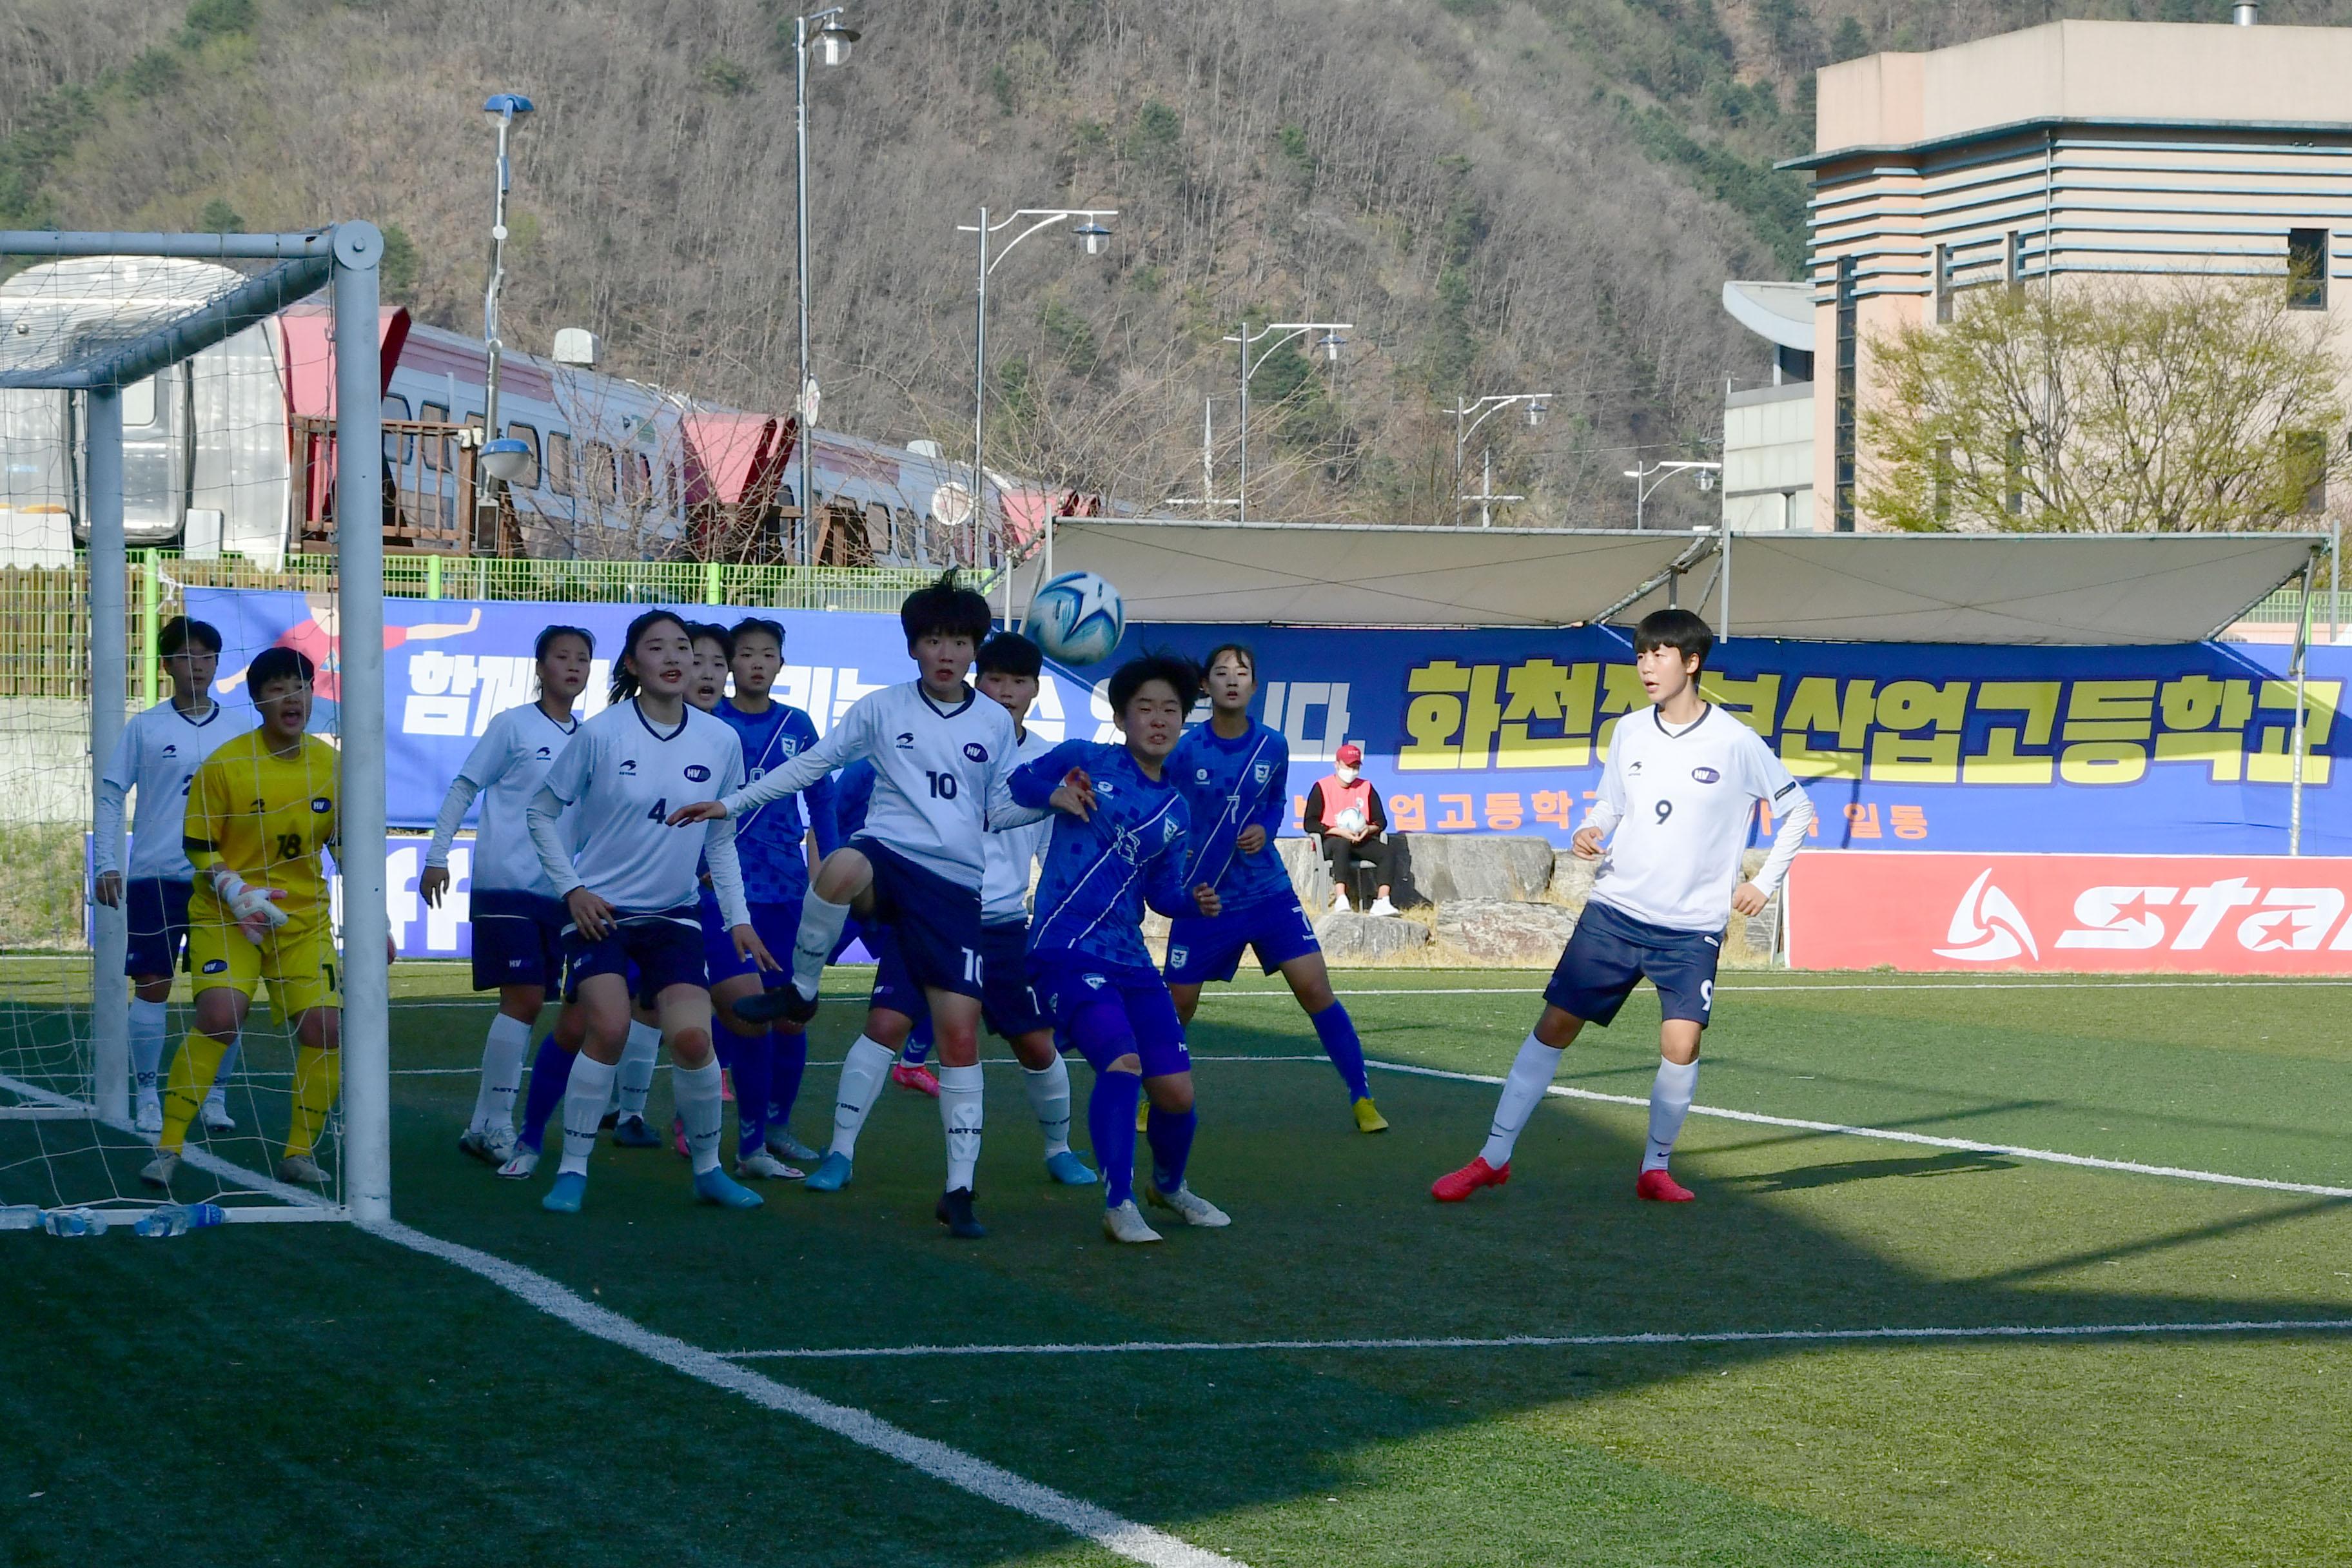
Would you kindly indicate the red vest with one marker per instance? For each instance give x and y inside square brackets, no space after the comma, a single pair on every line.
[1337,797]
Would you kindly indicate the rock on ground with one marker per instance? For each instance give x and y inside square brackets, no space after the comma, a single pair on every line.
[1367,938]
[1443,867]
[1496,931]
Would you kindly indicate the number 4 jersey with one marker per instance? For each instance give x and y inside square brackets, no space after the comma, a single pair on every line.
[1680,802]
[619,780]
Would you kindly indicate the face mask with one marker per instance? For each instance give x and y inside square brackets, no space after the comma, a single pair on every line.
[1346,774]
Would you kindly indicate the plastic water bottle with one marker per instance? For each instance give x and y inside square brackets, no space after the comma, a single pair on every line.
[73,1222]
[20,1217]
[177,1219]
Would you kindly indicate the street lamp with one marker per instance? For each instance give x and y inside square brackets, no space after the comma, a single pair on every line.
[1646,480]
[1331,343]
[832,41]
[503,109]
[1093,240]
[505,459]
[1478,414]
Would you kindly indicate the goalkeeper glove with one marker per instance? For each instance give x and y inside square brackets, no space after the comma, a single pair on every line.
[254,909]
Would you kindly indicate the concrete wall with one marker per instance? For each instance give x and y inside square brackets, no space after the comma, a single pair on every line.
[1767,457]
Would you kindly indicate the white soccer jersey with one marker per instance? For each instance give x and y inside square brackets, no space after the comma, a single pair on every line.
[1680,802]
[939,775]
[506,768]
[159,753]
[621,778]
[1010,852]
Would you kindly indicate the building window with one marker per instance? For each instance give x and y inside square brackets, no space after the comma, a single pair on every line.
[1943,283]
[559,462]
[2016,261]
[1842,478]
[2307,268]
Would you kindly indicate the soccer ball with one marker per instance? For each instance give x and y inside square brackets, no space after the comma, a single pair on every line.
[1348,821]
[1077,618]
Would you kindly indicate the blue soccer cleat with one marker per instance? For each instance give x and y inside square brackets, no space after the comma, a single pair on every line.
[564,1197]
[1066,1168]
[830,1177]
[716,1186]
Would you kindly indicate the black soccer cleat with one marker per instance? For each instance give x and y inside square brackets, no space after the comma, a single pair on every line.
[954,1211]
[784,1002]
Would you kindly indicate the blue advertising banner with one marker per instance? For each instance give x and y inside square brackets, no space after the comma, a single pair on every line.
[2174,750]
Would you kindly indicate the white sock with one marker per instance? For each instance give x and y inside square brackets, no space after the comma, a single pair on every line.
[863,1073]
[218,1097]
[503,1049]
[636,1076]
[1670,1102]
[821,924]
[959,1117]
[147,1046]
[584,1111]
[697,1090]
[1522,1092]
[1049,1097]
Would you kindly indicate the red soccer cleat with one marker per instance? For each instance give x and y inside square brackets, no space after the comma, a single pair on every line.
[1456,1187]
[918,1079]
[1658,1187]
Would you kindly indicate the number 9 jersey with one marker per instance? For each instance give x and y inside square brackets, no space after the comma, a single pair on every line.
[1681,802]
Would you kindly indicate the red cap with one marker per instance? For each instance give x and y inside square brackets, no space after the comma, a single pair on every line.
[1351,754]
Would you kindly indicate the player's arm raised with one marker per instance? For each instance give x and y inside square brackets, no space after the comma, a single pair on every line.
[1058,780]
[837,746]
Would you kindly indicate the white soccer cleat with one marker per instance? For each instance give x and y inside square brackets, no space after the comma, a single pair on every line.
[159,1171]
[216,1118]
[149,1120]
[1380,905]
[521,1165]
[300,1171]
[763,1166]
[1124,1223]
[493,1145]
[1189,1206]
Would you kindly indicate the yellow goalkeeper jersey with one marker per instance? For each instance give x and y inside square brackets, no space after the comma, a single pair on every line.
[265,818]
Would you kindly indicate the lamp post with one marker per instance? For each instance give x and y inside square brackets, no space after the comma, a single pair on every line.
[503,109]
[832,41]
[1331,343]
[1093,240]
[1648,479]
[1478,414]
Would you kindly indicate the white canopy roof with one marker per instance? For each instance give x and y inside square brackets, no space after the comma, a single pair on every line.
[1838,587]
[1779,313]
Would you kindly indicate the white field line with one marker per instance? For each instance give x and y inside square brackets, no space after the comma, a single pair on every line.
[1136,1542]
[1547,1342]
[1968,1145]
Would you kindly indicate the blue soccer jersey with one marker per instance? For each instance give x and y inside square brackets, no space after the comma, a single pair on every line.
[770,838]
[853,796]
[1099,873]
[1230,787]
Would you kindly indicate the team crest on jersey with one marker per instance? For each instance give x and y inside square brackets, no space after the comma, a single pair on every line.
[1178,957]
[788,747]
[215,965]
[1094,982]
[1167,828]
[1264,772]
[1704,776]
[628,767]
[1200,776]
[975,751]
[321,804]
[697,773]
[1104,787]
[906,739]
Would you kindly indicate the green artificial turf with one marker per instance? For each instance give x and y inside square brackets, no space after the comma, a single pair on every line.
[284,1392]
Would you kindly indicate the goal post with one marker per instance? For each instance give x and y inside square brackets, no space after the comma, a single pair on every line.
[94,351]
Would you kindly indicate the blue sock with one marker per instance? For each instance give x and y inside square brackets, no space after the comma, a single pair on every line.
[1171,1146]
[1338,1033]
[1111,1118]
[918,1049]
[550,1075]
[754,1057]
[791,1057]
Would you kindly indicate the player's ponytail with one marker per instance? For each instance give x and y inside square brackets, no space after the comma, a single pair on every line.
[624,674]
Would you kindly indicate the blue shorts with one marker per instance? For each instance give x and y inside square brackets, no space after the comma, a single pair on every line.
[1071,983]
[157,912]
[518,938]
[935,924]
[779,926]
[1209,947]
[1611,951]
[650,953]
[1008,1001]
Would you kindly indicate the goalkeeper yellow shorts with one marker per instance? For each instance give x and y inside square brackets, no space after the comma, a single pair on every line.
[298,959]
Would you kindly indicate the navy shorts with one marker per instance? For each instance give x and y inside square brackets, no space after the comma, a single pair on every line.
[1008,1001]
[779,926]
[1209,947]
[664,953]
[935,924]
[518,938]
[157,912]
[1611,951]
[1070,983]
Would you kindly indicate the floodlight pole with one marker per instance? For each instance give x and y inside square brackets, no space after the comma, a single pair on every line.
[110,1011]
[505,106]
[804,398]
[1245,339]
[2302,650]
[359,566]
[1649,477]
[1478,414]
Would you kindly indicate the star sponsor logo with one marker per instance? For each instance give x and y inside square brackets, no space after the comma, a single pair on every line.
[1988,927]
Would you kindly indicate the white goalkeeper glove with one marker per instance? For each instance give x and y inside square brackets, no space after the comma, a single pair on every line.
[254,909]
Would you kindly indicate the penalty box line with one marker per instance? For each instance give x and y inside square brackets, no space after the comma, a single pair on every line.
[1924,1139]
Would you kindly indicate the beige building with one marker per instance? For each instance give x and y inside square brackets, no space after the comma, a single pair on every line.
[2073,149]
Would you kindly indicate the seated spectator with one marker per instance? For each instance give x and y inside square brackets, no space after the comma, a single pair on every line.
[1344,811]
